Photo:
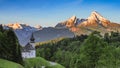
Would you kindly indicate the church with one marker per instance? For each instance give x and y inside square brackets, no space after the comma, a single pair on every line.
[28,51]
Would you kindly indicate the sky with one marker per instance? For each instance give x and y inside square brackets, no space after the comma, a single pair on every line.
[51,12]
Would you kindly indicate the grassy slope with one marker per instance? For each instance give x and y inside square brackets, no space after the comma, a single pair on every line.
[9,64]
[38,62]
[32,62]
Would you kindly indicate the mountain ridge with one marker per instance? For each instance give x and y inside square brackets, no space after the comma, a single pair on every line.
[95,22]
[69,28]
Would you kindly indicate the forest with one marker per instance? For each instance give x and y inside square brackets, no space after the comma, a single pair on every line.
[85,51]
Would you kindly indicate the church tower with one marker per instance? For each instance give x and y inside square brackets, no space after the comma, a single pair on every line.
[32,40]
[29,50]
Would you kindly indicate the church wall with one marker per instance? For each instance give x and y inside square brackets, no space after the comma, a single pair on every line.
[30,54]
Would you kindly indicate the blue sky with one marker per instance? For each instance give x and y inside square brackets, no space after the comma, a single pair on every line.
[51,12]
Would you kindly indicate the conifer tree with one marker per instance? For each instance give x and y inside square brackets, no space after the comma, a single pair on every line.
[10,48]
[90,51]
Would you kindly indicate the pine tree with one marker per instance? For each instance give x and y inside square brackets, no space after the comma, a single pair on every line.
[9,46]
[1,28]
[90,51]
[15,47]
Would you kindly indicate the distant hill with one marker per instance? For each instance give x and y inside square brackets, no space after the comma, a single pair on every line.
[52,33]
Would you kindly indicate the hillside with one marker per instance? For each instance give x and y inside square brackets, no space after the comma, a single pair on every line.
[32,62]
[40,62]
[9,64]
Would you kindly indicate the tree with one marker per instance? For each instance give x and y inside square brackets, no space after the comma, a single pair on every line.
[1,28]
[110,58]
[14,46]
[90,51]
[10,47]
[112,39]
[107,37]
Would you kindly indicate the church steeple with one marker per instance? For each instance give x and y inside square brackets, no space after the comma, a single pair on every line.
[32,39]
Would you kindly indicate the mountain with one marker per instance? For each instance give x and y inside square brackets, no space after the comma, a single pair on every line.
[50,33]
[42,35]
[96,19]
[95,22]
[69,23]
[24,31]
[17,26]
[38,27]
[69,28]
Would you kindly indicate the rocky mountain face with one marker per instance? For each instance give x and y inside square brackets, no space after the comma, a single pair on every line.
[95,22]
[70,23]
[95,19]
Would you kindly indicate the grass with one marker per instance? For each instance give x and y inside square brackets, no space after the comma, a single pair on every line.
[38,62]
[55,66]
[9,64]
[35,62]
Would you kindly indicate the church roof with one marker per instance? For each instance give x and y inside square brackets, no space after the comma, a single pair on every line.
[27,48]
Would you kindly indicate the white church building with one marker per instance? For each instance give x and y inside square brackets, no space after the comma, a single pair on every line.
[28,51]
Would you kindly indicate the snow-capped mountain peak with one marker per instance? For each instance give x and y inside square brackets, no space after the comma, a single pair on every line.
[96,19]
[71,21]
[95,14]
[15,26]
[72,18]
[38,27]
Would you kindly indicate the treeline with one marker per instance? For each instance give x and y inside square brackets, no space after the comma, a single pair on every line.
[93,51]
[9,46]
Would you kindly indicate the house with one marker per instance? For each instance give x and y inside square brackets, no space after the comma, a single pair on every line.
[28,51]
